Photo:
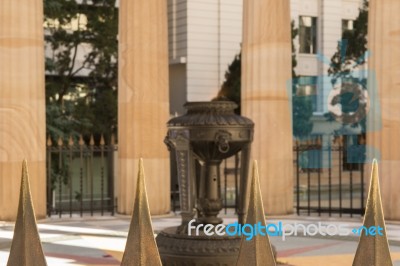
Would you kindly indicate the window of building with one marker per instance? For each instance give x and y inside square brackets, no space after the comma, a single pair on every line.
[307,87]
[308,35]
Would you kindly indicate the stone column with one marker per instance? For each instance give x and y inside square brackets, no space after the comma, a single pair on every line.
[22,104]
[266,71]
[143,105]
[384,90]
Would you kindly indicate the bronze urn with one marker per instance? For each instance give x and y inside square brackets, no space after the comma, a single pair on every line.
[208,133]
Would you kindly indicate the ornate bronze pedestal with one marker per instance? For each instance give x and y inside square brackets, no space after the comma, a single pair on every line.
[181,249]
[207,134]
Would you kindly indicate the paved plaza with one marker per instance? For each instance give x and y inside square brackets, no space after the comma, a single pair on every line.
[101,240]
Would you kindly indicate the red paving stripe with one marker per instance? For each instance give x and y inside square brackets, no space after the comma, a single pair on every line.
[291,252]
[108,260]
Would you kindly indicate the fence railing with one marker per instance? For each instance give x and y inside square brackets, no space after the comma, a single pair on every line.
[80,176]
[329,176]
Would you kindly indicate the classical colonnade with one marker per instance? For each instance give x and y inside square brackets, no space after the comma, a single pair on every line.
[143,100]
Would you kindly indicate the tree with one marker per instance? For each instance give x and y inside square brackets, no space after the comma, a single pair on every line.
[350,56]
[230,89]
[81,67]
[351,51]
[302,105]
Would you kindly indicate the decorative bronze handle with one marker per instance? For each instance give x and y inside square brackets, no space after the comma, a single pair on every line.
[222,139]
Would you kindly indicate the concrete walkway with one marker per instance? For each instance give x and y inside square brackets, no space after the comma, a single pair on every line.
[101,240]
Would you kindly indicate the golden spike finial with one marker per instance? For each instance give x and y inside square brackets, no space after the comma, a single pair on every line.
[91,142]
[26,248]
[60,141]
[70,141]
[81,142]
[141,248]
[112,139]
[102,141]
[340,140]
[49,142]
[258,250]
[373,250]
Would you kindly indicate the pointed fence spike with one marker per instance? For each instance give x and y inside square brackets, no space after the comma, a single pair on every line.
[373,250]
[49,142]
[26,248]
[102,142]
[112,139]
[81,142]
[319,140]
[141,248]
[362,140]
[91,142]
[258,250]
[59,141]
[70,141]
[340,140]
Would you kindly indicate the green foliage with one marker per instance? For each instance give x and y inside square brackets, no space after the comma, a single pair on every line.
[230,89]
[351,50]
[301,105]
[295,32]
[61,121]
[81,67]
[301,113]
[350,55]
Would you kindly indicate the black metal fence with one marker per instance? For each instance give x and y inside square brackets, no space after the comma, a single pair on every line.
[329,175]
[80,176]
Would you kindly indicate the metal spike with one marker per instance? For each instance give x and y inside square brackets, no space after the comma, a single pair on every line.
[102,142]
[26,248]
[59,141]
[340,140]
[362,140]
[373,250]
[141,248]
[319,140]
[81,142]
[70,141]
[91,142]
[49,142]
[258,250]
[112,139]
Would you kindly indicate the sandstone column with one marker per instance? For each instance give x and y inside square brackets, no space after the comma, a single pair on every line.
[22,103]
[266,70]
[143,105]
[384,82]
